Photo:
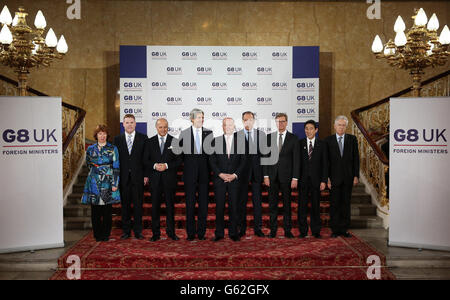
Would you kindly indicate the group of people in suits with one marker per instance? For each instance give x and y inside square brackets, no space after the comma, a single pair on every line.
[239,161]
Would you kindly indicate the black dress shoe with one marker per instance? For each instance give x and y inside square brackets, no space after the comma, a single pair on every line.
[289,235]
[347,235]
[317,236]
[217,238]
[98,240]
[302,236]
[106,239]
[155,238]
[201,238]
[259,233]
[334,235]
[174,237]
[190,238]
[139,236]
[273,235]
[125,236]
[235,238]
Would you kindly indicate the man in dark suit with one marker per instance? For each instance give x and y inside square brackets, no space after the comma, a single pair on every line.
[343,157]
[227,165]
[131,145]
[313,179]
[162,165]
[254,138]
[282,175]
[196,173]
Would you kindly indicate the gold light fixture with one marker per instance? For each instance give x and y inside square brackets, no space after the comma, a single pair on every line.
[417,49]
[23,48]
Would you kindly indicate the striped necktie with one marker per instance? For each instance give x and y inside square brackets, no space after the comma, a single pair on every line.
[129,144]
[310,149]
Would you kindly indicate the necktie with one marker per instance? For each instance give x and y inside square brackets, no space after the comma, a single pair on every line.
[162,145]
[341,147]
[310,149]
[280,142]
[246,135]
[197,141]
[228,146]
[129,144]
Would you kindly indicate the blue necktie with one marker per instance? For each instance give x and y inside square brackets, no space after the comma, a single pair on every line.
[197,142]
[162,145]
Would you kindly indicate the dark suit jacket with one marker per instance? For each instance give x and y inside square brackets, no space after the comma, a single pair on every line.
[254,160]
[317,166]
[287,166]
[133,164]
[220,163]
[153,156]
[343,169]
[196,167]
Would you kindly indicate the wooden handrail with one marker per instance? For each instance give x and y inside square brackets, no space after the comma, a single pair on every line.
[81,112]
[355,116]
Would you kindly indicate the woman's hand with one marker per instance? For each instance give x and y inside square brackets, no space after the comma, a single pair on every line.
[114,189]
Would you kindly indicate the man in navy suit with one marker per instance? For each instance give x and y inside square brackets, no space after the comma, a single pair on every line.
[227,165]
[343,157]
[196,173]
[162,165]
[283,175]
[313,179]
[131,145]
[254,140]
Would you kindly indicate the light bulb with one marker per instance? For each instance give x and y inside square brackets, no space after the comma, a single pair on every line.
[40,22]
[377,45]
[433,24]
[51,40]
[421,18]
[5,16]
[399,24]
[62,45]
[15,21]
[400,39]
[444,38]
[6,37]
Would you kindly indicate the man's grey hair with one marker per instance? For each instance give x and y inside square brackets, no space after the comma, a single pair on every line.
[195,112]
[338,118]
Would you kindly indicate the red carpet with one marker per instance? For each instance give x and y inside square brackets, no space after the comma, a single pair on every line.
[252,258]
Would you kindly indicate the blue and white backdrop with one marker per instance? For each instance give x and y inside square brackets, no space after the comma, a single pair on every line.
[169,81]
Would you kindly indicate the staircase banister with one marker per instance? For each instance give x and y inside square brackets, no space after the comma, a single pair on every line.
[78,122]
[355,116]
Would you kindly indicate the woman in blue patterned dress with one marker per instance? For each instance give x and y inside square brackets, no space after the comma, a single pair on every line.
[101,190]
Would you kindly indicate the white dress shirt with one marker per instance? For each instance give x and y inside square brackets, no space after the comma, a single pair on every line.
[313,142]
[228,144]
[343,139]
[283,137]
[159,141]
[133,135]
[194,132]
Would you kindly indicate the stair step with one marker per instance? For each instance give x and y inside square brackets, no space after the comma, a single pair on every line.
[421,273]
[419,262]
[358,222]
